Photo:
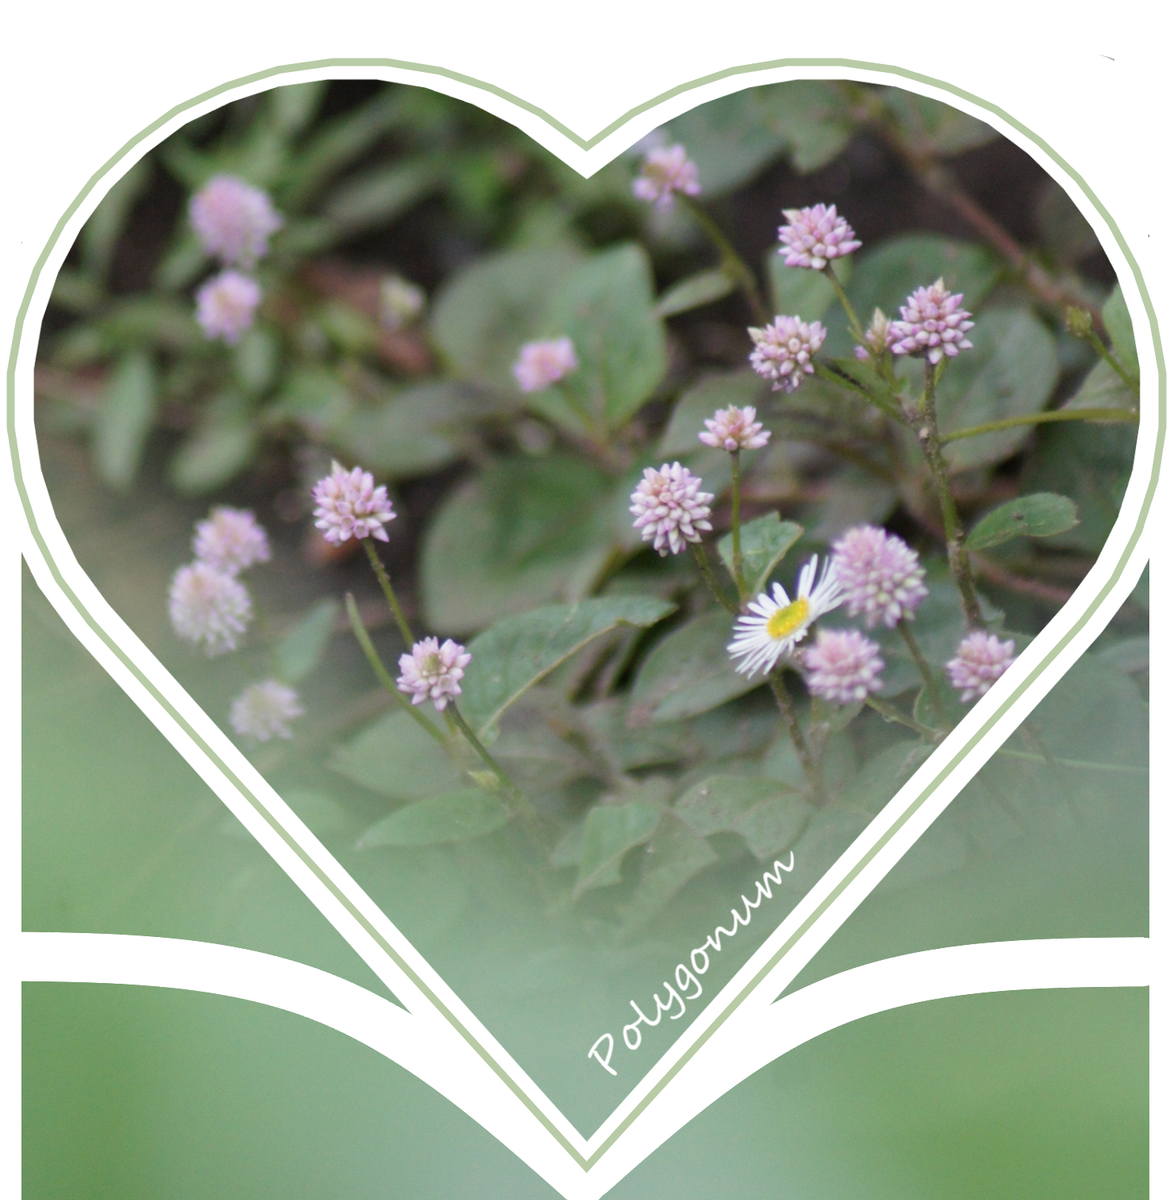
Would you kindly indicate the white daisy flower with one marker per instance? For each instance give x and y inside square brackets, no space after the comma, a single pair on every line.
[774,627]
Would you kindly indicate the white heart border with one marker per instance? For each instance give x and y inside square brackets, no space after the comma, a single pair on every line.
[364,926]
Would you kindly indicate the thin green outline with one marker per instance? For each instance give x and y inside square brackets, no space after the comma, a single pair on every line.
[585,144]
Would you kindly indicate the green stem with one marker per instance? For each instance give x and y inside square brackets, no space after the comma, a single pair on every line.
[1063,414]
[807,761]
[845,304]
[924,669]
[1077,763]
[890,714]
[382,674]
[732,262]
[711,579]
[385,583]
[521,804]
[931,445]
[736,522]
[1134,385]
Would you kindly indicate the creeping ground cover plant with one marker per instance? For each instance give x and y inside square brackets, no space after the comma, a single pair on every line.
[619,538]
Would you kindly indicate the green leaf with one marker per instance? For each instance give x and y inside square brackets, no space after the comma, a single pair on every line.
[798,292]
[406,435]
[732,138]
[1091,464]
[293,107]
[377,197]
[765,541]
[149,321]
[256,360]
[930,127]
[689,672]
[607,308]
[485,312]
[101,232]
[514,654]
[333,144]
[452,817]
[300,651]
[128,411]
[217,452]
[527,531]
[675,855]
[701,401]
[1103,388]
[883,776]
[611,831]
[395,757]
[1043,514]
[765,812]
[697,290]
[1010,373]
[924,709]
[1120,328]
[315,397]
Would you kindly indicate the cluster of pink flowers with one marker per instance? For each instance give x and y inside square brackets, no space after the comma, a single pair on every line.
[670,508]
[233,222]
[814,236]
[433,671]
[979,660]
[734,428]
[210,607]
[843,666]
[882,577]
[665,172]
[540,364]
[782,351]
[264,710]
[348,504]
[933,324]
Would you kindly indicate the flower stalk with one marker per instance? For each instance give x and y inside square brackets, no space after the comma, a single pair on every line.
[388,591]
[736,522]
[522,806]
[810,764]
[731,261]
[923,669]
[711,579]
[931,445]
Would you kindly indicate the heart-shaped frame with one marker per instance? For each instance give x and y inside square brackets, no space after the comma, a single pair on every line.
[443,1041]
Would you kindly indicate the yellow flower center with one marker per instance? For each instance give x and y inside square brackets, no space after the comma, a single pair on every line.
[787,620]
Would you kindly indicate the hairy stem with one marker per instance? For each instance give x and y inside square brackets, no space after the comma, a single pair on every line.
[383,675]
[1063,414]
[385,583]
[931,445]
[731,260]
[521,805]
[736,522]
[842,296]
[924,670]
[890,713]
[811,767]
[711,579]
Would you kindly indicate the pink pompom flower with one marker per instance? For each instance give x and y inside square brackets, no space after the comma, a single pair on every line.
[843,666]
[814,236]
[933,325]
[209,608]
[263,711]
[348,504]
[542,363]
[882,577]
[782,351]
[230,540]
[666,171]
[733,429]
[233,220]
[433,672]
[670,508]
[979,660]
[225,306]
